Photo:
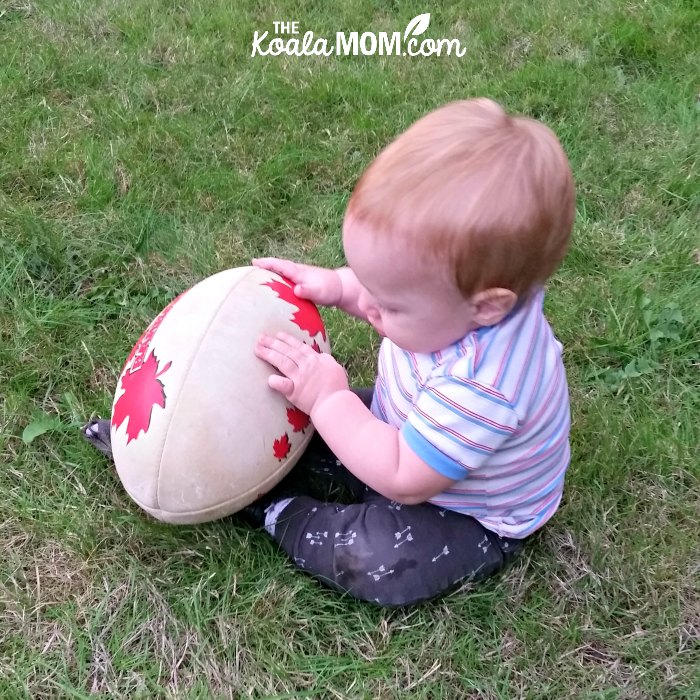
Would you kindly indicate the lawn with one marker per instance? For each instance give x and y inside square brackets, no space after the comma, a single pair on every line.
[143,148]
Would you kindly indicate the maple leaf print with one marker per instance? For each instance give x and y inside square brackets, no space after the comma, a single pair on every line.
[306,317]
[281,447]
[316,346]
[141,348]
[142,391]
[298,419]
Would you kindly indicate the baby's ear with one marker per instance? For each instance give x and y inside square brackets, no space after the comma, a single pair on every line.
[491,306]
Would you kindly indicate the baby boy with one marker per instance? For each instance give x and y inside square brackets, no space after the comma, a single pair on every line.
[461,452]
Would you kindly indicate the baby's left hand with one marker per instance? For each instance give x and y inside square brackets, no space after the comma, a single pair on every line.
[309,376]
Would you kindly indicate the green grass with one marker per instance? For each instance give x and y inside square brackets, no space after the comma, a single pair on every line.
[142,149]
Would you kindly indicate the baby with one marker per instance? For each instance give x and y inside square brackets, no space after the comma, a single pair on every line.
[449,236]
[460,451]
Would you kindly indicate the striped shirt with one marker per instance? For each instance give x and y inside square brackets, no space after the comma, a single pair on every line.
[490,411]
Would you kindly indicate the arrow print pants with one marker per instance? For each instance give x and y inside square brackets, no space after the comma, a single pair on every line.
[373,548]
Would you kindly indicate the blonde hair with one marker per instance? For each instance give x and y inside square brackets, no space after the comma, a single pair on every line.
[489,194]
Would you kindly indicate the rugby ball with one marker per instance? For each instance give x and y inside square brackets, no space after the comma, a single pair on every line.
[197,433]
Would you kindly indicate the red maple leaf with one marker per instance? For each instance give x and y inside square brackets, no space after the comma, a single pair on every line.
[142,391]
[281,447]
[141,347]
[316,346]
[298,419]
[306,317]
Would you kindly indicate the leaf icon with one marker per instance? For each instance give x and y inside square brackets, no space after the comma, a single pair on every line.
[417,25]
[306,317]
[281,447]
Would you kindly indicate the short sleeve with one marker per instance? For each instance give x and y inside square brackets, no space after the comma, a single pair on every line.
[457,424]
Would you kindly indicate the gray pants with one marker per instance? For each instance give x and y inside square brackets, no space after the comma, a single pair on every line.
[379,550]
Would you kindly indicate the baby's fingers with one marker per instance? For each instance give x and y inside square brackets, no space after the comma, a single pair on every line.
[277,353]
[284,385]
[292,271]
[265,263]
[281,267]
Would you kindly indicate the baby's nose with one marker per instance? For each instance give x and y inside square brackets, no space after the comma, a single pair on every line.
[365,302]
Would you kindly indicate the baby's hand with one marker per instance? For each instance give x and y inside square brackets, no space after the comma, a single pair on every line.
[309,376]
[317,284]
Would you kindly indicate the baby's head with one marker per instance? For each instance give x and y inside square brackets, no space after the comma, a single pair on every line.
[471,202]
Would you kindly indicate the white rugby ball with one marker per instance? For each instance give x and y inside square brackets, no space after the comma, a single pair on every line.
[197,433]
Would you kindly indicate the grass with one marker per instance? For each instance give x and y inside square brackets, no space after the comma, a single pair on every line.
[142,149]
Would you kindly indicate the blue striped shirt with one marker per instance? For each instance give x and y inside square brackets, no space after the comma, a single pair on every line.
[491,412]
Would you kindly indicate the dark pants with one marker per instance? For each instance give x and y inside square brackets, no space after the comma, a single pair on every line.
[375,549]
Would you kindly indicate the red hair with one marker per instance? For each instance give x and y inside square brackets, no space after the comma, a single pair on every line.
[489,194]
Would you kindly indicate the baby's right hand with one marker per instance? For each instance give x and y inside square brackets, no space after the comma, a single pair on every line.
[317,284]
